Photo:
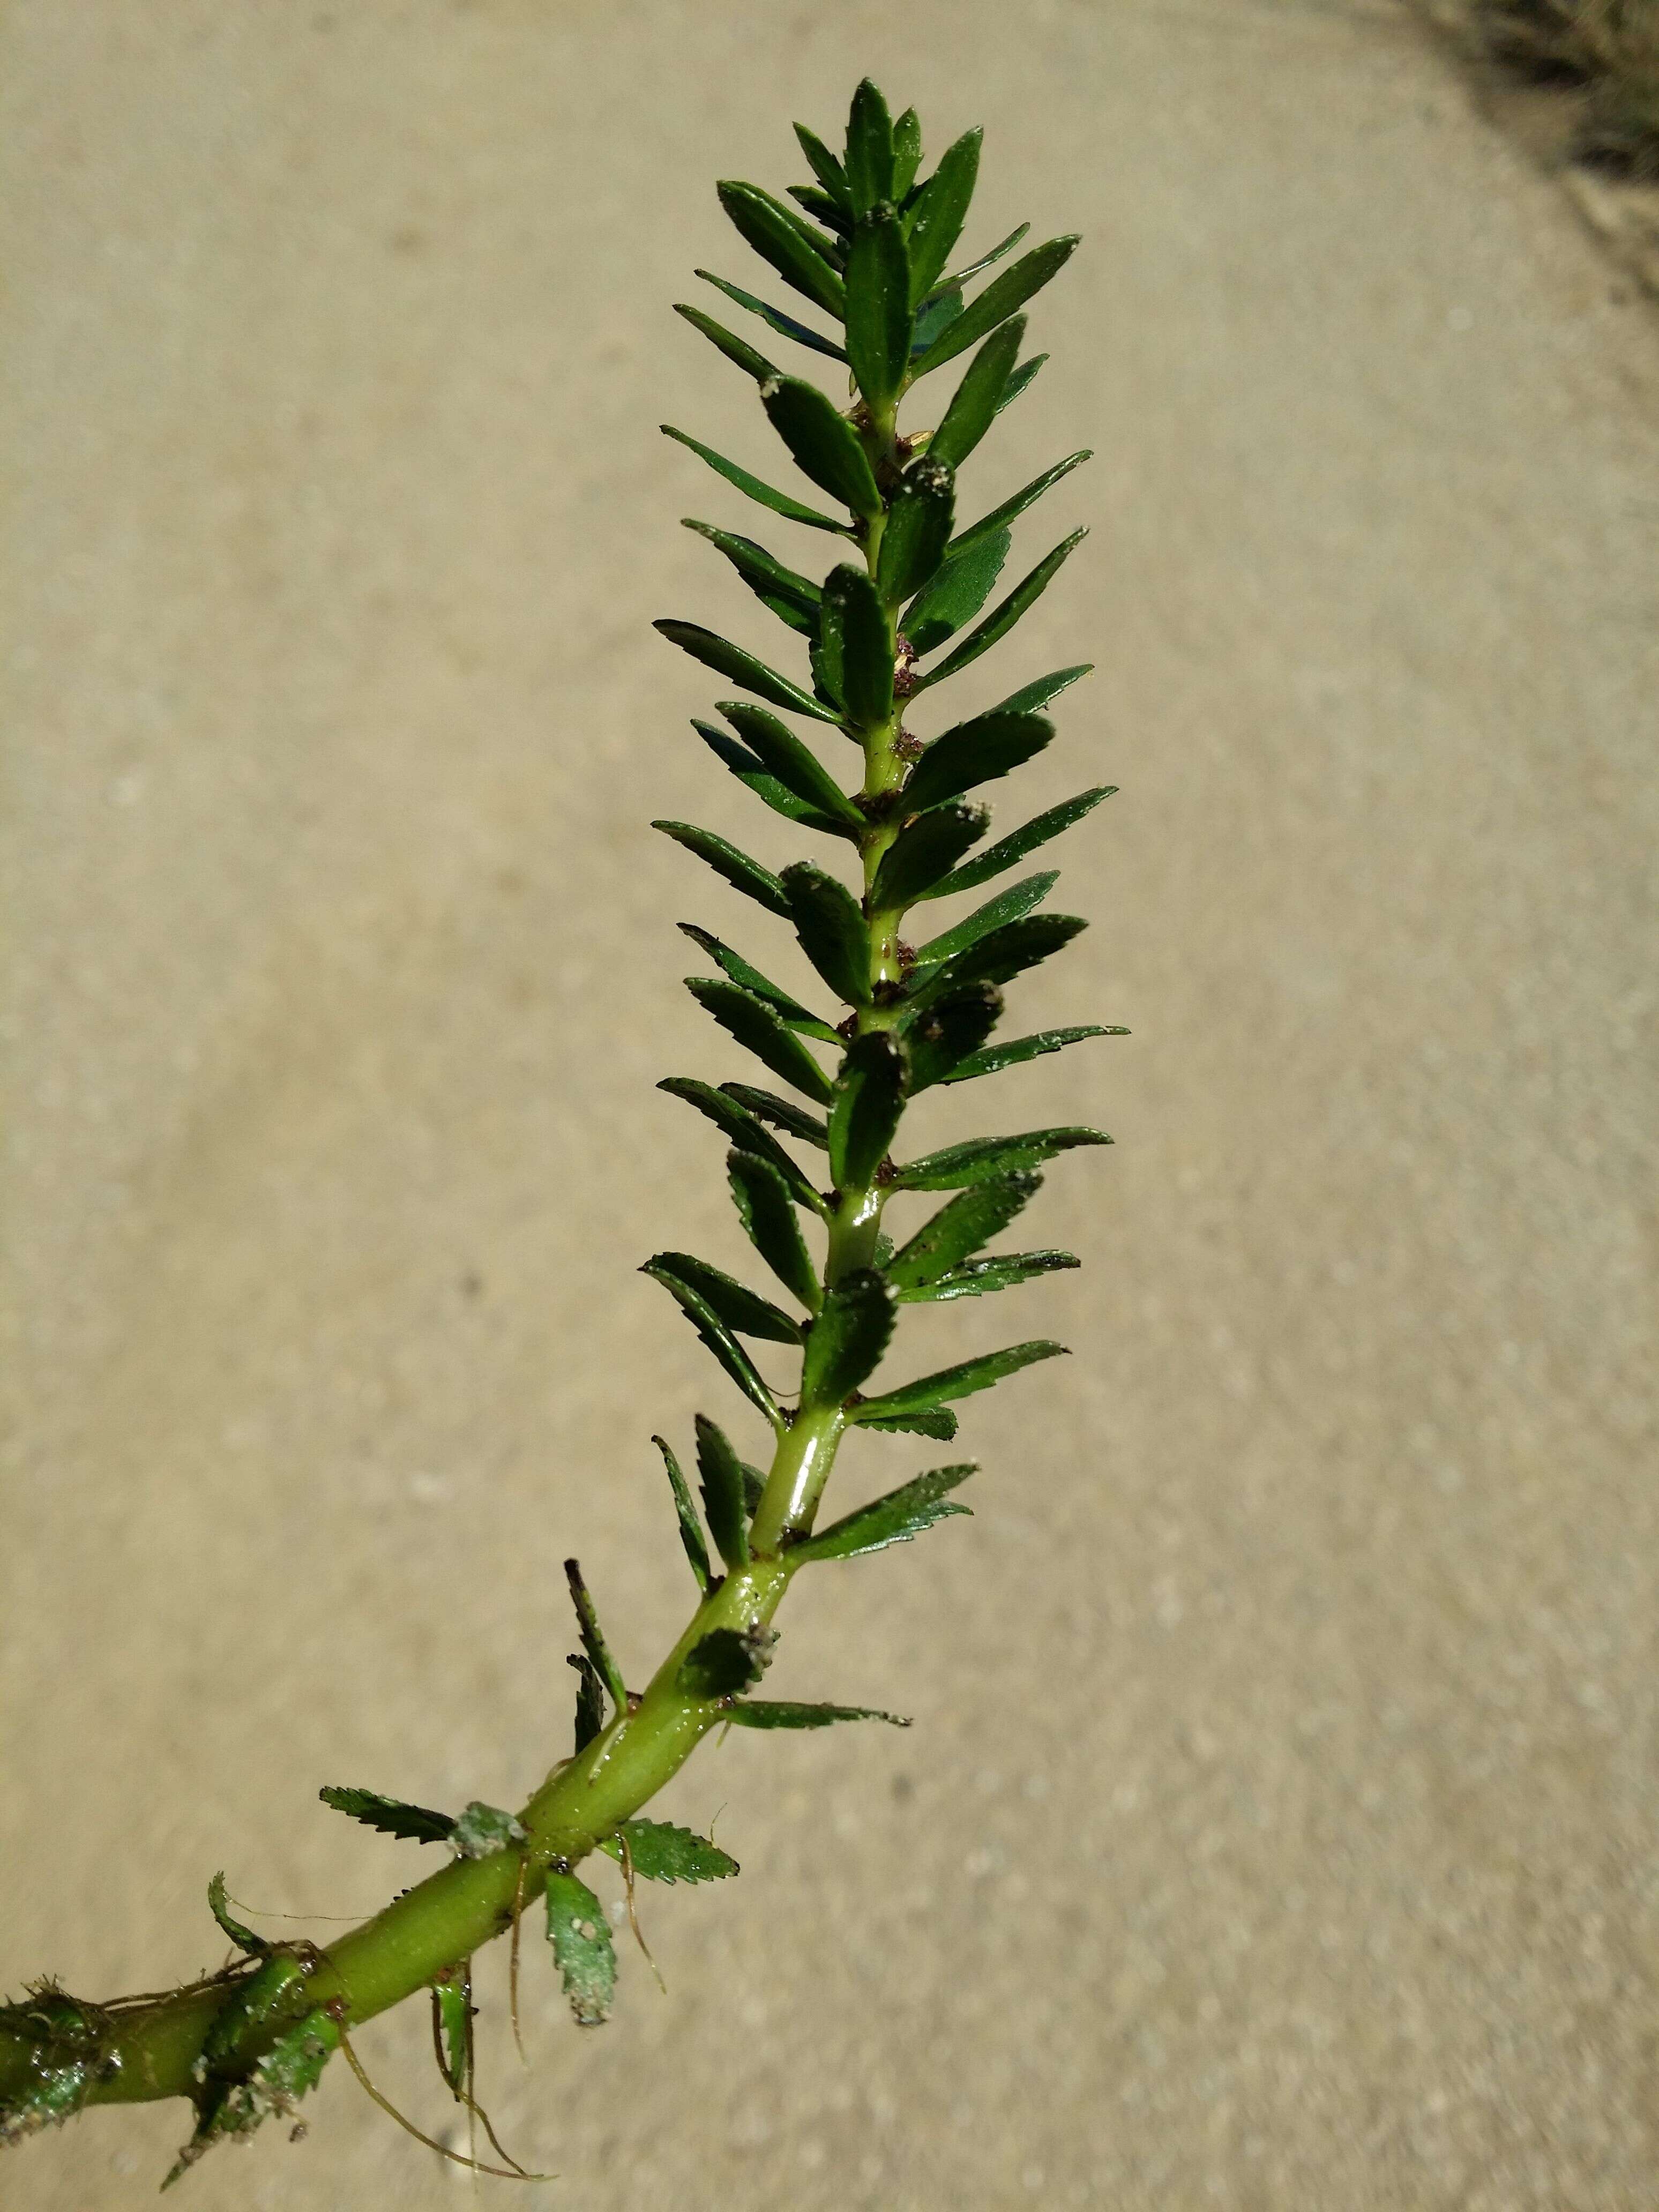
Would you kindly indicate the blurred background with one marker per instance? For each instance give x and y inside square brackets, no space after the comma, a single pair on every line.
[1277,1830]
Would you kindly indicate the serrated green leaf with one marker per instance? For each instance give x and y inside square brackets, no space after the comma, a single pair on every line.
[742,1310]
[728,660]
[782,1113]
[958,1382]
[847,1339]
[740,1125]
[594,1646]
[774,319]
[452,2003]
[721,1473]
[1031,697]
[749,770]
[778,1713]
[865,656]
[766,495]
[956,595]
[919,521]
[484,1831]
[996,1058]
[868,1101]
[243,1937]
[878,319]
[718,1338]
[1002,618]
[659,1851]
[826,167]
[999,516]
[590,1701]
[998,957]
[1002,1272]
[869,159]
[743,874]
[923,853]
[686,1513]
[787,757]
[997,302]
[582,1950]
[761,1030]
[1017,382]
[949,1030]
[416,1824]
[831,929]
[974,405]
[761,1198]
[823,444]
[897,1518]
[794,1015]
[779,236]
[736,349]
[940,210]
[794,598]
[938,1422]
[907,152]
[723,1663]
[974,752]
[957,1167]
[1011,905]
[1008,851]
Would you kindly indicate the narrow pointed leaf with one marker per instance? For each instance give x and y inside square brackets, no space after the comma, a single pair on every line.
[995,1058]
[975,1277]
[957,1167]
[784,1114]
[1008,906]
[735,348]
[740,1128]
[452,2001]
[869,160]
[847,1339]
[243,1937]
[717,1339]
[922,855]
[826,167]
[1008,851]
[766,495]
[416,1824]
[866,675]
[997,625]
[795,1015]
[961,276]
[973,753]
[761,1030]
[907,152]
[1000,299]
[750,772]
[973,408]
[868,1102]
[659,1851]
[919,520]
[779,236]
[739,870]
[582,1950]
[774,319]
[957,592]
[721,1473]
[937,1421]
[959,1381]
[691,1529]
[1031,697]
[594,1647]
[793,597]
[1000,954]
[776,1713]
[999,516]
[744,1312]
[898,1518]
[823,208]
[761,1198]
[793,762]
[590,1701]
[728,660]
[833,932]
[725,1662]
[950,1030]
[879,320]
[822,442]
[932,316]
[1017,382]
[940,208]
[959,1229]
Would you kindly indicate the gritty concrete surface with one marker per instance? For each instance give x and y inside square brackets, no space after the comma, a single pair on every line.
[1278,1828]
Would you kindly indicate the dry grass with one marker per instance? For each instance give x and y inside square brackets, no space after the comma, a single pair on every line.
[1609,46]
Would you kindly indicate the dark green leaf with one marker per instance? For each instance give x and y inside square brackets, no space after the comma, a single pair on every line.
[824,209]
[956,595]
[940,210]
[721,1473]
[869,1100]
[924,852]
[879,320]
[793,597]
[723,1663]
[416,1824]
[973,753]
[961,276]
[997,302]
[761,1198]
[796,1016]
[1000,954]
[1031,697]
[938,1422]
[659,1851]
[959,1381]
[974,407]
[959,1229]
[580,1936]
[779,501]
[999,516]
[774,319]
[896,1519]
[782,1113]
[594,1647]
[933,316]
[1001,620]
[847,1339]
[739,870]
[779,236]
[776,1713]
[734,347]
[740,1128]
[822,443]
[793,762]
[918,520]
[1017,382]
[869,160]
[826,165]
[590,1701]
[949,1030]
[1007,851]
[907,152]
[833,932]
[718,1338]
[729,660]
[958,1166]
[744,1312]
[1008,906]
[244,1938]
[1001,1272]
[691,1533]
[864,682]
[996,1058]
[760,1029]
[766,788]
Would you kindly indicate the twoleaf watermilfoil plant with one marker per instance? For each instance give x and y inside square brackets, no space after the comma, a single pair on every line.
[812,1166]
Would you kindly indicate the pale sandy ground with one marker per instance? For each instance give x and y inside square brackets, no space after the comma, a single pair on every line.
[1278,1828]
